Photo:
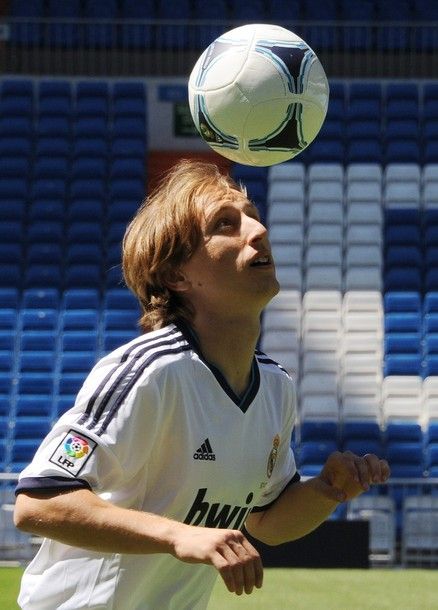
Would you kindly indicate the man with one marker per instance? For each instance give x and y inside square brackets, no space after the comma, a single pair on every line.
[186,426]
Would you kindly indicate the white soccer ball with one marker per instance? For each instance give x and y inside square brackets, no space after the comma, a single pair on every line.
[258,94]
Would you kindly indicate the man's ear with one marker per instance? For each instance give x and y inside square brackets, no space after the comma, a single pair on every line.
[176,281]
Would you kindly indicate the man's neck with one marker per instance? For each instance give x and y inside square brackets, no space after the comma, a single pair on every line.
[229,344]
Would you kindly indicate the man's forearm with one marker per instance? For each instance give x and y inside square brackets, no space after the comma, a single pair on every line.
[91,523]
[300,509]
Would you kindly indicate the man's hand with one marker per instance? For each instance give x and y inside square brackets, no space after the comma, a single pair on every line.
[346,475]
[236,560]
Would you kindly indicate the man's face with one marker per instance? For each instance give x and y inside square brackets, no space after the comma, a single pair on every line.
[232,269]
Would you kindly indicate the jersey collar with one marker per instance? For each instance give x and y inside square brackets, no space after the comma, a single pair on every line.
[243,401]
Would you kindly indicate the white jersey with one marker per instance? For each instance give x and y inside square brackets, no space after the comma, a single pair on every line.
[156,428]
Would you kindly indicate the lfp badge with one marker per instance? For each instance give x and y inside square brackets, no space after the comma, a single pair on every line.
[73,452]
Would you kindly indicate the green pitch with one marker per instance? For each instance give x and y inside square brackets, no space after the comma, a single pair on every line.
[307,590]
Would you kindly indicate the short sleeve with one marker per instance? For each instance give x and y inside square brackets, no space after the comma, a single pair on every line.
[76,453]
[284,470]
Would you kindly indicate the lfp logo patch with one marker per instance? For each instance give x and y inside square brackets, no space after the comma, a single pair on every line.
[76,446]
[73,452]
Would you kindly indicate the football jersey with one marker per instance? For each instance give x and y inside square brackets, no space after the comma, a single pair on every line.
[156,428]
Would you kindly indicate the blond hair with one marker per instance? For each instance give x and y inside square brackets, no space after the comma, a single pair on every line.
[164,234]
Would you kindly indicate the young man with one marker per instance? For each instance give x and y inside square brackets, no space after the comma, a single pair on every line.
[182,436]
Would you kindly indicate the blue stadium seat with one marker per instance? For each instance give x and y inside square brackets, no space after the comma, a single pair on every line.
[129,127]
[215,15]
[35,383]
[403,431]
[22,32]
[403,278]
[402,150]
[10,275]
[402,301]
[393,36]
[113,255]
[407,235]
[120,319]
[49,167]
[58,146]
[65,31]
[91,127]
[37,361]
[83,254]
[80,319]
[71,383]
[402,364]
[10,253]
[357,36]
[82,276]
[131,147]
[54,98]
[49,188]
[8,318]
[115,338]
[16,145]
[117,298]
[85,233]
[364,150]
[33,340]
[42,276]
[9,298]
[88,188]
[84,146]
[6,360]
[402,343]
[100,35]
[121,168]
[137,35]
[81,298]
[64,403]
[41,298]
[77,362]
[86,210]
[7,341]
[89,167]
[53,127]
[79,340]
[30,406]
[318,430]
[23,451]
[47,210]
[321,37]
[122,210]
[15,126]
[31,427]
[403,322]
[39,319]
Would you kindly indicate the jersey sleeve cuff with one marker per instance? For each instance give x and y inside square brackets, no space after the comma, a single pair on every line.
[294,479]
[50,484]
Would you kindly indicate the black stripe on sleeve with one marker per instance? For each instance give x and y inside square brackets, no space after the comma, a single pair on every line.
[50,484]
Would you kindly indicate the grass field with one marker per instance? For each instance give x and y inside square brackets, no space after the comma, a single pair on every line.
[307,590]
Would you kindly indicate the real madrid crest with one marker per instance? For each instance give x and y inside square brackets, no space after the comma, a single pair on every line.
[273,456]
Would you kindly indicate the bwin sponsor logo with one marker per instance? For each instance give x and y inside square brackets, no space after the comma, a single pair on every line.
[215,514]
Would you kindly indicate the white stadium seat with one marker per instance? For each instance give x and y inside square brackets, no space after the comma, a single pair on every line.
[290,170]
[325,172]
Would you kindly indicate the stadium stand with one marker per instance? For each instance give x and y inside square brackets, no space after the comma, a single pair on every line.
[353,224]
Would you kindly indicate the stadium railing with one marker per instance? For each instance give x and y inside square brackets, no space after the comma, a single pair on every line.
[171,47]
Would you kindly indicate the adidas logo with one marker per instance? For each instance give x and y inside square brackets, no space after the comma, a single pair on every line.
[205,452]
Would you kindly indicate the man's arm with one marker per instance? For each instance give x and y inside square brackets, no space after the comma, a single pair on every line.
[303,506]
[80,518]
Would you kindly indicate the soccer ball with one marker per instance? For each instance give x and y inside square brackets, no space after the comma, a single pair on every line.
[258,94]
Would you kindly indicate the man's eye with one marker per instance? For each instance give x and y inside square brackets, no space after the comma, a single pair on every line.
[223,223]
